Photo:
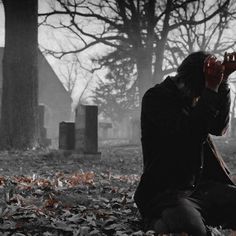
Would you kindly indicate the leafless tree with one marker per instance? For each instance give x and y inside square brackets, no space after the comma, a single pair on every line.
[141,29]
[70,74]
[212,36]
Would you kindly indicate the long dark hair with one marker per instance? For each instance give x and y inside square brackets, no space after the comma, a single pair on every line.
[191,74]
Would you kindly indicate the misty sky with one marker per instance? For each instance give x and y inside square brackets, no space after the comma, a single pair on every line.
[47,38]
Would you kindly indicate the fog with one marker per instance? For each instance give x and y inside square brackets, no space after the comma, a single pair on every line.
[120,83]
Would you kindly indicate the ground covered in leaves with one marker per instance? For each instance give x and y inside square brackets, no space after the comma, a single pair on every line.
[48,192]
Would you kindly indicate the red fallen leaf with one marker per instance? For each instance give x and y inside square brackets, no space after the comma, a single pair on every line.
[81,178]
[39,211]
[24,187]
[23,179]
[43,183]
[14,199]
[126,178]
[51,202]
[2,180]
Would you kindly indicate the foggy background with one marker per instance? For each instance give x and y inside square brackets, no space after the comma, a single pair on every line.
[98,63]
[105,53]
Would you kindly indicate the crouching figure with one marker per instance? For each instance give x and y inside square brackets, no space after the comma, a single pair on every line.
[185,185]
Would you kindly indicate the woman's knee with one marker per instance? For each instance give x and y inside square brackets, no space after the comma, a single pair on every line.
[160,227]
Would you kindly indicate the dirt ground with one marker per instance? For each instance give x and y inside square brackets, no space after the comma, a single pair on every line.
[49,192]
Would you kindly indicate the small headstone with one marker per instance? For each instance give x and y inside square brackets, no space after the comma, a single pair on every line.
[67,135]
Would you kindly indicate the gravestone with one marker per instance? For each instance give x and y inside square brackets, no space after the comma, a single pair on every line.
[67,135]
[86,131]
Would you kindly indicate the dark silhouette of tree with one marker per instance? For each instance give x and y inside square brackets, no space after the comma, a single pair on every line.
[212,36]
[70,74]
[118,95]
[209,36]
[19,112]
[139,28]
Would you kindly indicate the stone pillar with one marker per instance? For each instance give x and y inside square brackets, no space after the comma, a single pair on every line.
[86,131]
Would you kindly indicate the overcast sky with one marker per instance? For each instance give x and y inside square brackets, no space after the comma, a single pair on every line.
[47,38]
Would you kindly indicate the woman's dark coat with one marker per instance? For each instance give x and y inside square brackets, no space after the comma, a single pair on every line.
[177,150]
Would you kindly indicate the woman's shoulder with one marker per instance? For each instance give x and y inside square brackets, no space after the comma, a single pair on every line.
[163,90]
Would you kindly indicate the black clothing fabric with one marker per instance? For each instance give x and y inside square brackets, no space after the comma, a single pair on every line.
[212,204]
[178,153]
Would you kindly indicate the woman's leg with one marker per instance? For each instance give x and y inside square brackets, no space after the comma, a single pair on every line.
[183,217]
[220,202]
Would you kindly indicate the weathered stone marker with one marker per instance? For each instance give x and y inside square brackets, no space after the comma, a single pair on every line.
[86,131]
[67,135]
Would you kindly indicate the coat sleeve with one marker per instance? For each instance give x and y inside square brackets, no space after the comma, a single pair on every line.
[170,119]
[220,123]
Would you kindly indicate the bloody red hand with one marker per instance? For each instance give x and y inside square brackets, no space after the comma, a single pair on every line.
[229,63]
[214,71]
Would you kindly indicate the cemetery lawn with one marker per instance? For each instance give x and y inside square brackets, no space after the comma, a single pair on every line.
[48,192]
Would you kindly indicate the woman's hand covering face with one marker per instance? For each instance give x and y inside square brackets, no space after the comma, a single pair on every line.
[214,72]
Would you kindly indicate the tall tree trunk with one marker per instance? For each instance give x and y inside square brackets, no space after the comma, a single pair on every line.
[160,47]
[144,74]
[19,113]
[159,58]
[144,54]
